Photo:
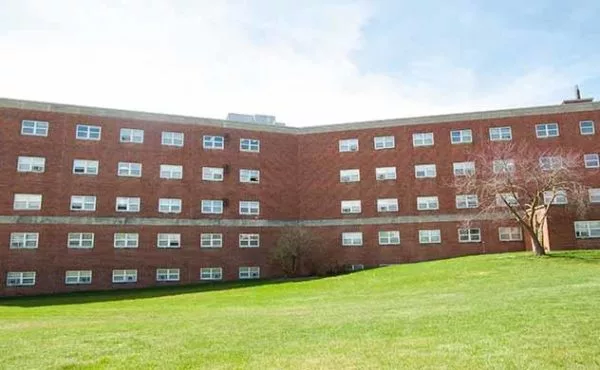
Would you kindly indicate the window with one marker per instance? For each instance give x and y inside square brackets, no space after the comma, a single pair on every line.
[587,229]
[34,128]
[167,274]
[211,240]
[429,236]
[168,240]
[387,205]
[594,195]
[20,278]
[130,135]
[212,173]
[124,276]
[249,145]
[500,133]
[126,240]
[29,202]
[85,167]
[510,234]
[385,173]
[348,145]
[171,171]
[252,272]
[461,136]
[352,239]
[87,132]
[427,203]
[354,267]
[463,168]
[350,206]
[591,160]
[249,207]
[83,202]
[212,206]
[31,164]
[389,237]
[555,197]
[24,240]
[169,205]
[587,128]
[129,169]
[349,175]
[80,240]
[211,273]
[545,130]
[250,176]
[172,138]
[503,166]
[464,201]
[249,240]
[213,142]
[551,163]
[469,235]
[79,277]
[424,171]
[127,204]
[423,139]
[384,142]
[503,198]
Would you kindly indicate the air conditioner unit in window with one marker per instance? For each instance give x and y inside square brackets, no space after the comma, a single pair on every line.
[37,169]
[381,176]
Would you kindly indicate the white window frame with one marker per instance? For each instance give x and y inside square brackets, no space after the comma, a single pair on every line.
[83,203]
[170,138]
[503,166]
[466,201]
[549,163]
[170,205]
[469,235]
[250,145]
[387,205]
[88,132]
[213,142]
[431,236]
[249,240]
[348,145]
[510,234]
[352,239]
[20,278]
[171,171]
[31,164]
[168,240]
[211,273]
[211,240]
[389,237]
[80,240]
[249,176]
[128,204]
[594,195]
[464,136]
[425,171]
[211,206]
[27,202]
[126,240]
[546,130]
[249,207]
[591,160]
[385,173]
[213,173]
[384,142]
[587,229]
[131,135]
[123,276]
[511,199]
[423,139]
[167,274]
[350,175]
[129,169]
[249,272]
[78,277]
[463,168]
[350,206]
[584,127]
[37,128]
[559,197]
[89,167]
[501,133]
[24,240]
[428,203]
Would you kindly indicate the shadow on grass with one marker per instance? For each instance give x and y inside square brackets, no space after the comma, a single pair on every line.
[592,256]
[138,293]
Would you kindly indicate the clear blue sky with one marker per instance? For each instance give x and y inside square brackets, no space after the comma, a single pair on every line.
[307,62]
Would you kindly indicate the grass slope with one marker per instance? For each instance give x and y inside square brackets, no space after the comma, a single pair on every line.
[495,311]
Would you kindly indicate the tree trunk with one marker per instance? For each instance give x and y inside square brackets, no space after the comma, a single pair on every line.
[538,248]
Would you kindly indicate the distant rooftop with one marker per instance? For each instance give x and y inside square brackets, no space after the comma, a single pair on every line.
[261,119]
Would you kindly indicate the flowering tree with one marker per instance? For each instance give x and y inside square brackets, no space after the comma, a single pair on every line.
[523,183]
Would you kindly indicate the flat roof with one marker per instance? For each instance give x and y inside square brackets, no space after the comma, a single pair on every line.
[189,120]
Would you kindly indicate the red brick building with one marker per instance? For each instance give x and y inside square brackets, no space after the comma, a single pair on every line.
[94,198]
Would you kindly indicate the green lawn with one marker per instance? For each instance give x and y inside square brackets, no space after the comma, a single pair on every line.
[497,311]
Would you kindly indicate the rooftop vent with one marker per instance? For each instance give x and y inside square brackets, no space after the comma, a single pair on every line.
[261,119]
[578,98]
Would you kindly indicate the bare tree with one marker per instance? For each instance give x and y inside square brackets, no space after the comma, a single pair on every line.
[524,183]
[297,250]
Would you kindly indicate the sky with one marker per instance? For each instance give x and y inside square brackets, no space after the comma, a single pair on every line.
[308,62]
